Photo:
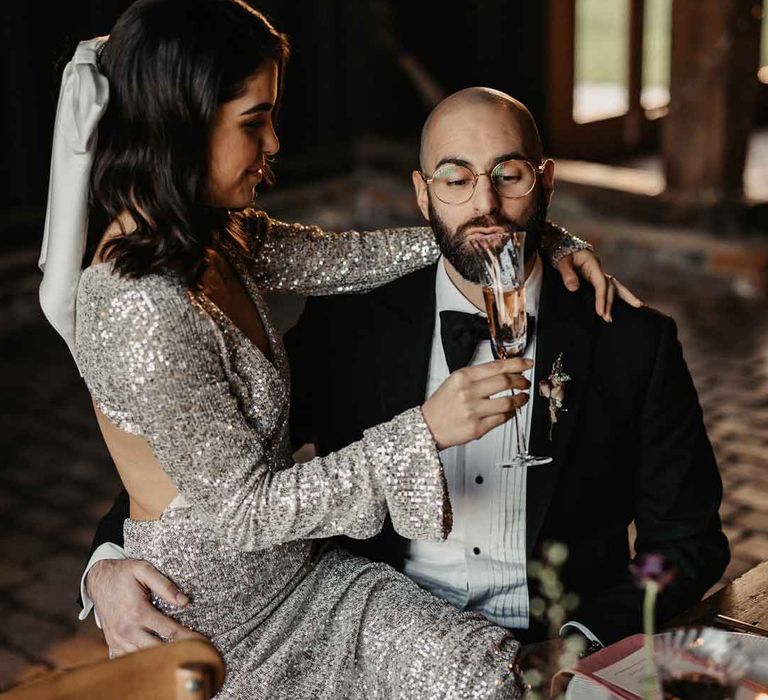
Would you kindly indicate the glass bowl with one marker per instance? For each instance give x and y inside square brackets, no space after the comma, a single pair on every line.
[699,662]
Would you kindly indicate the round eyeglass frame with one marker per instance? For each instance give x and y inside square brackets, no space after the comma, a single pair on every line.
[537,171]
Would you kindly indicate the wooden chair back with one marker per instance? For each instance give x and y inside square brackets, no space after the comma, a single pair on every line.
[188,670]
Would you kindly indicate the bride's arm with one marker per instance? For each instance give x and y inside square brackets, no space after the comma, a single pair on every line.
[310,261]
[155,366]
[307,260]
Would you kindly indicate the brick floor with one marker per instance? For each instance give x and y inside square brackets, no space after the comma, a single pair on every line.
[56,478]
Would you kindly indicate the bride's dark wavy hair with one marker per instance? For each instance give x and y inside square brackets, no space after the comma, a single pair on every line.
[170,65]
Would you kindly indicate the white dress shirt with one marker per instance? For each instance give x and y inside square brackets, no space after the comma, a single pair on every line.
[482,564]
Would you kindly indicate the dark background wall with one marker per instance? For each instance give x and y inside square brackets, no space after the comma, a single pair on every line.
[344,82]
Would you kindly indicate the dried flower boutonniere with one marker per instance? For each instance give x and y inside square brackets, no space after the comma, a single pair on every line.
[553,388]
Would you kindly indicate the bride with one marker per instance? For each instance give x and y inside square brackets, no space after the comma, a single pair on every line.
[163,131]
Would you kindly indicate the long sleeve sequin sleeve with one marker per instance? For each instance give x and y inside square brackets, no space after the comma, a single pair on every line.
[558,243]
[308,260]
[158,366]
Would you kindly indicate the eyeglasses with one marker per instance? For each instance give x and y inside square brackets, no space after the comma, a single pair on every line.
[455,184]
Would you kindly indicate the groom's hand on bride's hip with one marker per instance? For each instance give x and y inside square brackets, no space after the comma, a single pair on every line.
[121,591]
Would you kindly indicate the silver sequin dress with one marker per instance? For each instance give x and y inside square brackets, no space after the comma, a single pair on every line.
[293,615]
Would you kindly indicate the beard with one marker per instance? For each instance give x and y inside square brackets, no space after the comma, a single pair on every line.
[454,247]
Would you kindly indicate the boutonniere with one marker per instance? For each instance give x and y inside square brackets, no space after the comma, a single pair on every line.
[553,388]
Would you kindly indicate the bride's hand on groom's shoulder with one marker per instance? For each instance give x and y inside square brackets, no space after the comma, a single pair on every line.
[588,265]
[121,591]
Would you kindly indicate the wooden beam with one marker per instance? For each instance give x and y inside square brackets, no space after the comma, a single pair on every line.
[715,57]
[633,124]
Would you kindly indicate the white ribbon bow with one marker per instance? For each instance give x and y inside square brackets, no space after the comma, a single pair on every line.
[82,101]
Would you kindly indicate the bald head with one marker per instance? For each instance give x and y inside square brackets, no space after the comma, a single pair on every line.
[463,112]
[481,132]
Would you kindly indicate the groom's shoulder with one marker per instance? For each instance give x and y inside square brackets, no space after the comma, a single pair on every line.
[637,334]
[628,322]
[636,330]
[642,321]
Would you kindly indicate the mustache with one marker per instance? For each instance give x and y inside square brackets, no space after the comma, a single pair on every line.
[487,221]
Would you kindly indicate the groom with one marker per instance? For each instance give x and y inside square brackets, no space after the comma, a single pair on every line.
[628,445]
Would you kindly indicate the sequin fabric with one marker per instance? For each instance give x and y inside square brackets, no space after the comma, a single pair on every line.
[310,261]
[292,615]
[307,260]
[557,243]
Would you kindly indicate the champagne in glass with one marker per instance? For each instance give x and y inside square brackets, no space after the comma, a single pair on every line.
[507,319]
[503,261]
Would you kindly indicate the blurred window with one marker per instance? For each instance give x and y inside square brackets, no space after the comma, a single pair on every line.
[601,61]
[657,44]
[763,74]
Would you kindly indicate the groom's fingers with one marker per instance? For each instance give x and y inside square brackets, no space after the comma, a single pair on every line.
[130,640]
[126,622]
[143,627]
[167,629]
[140,639]
[150,577]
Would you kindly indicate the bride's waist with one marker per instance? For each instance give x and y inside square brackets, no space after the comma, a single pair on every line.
[209,569]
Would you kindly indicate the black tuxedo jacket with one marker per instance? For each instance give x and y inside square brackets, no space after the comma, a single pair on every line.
[631,445]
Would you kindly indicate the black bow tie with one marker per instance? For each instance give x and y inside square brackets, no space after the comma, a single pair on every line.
[461,332]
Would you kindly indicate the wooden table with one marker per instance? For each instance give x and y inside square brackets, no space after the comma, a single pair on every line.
[745,599]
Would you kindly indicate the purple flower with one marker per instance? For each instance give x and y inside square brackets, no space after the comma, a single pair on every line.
[652,567]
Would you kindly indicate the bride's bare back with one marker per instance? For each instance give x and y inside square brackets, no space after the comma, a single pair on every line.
[148,486]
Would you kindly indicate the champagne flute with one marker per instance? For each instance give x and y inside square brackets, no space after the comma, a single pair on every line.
[503,262]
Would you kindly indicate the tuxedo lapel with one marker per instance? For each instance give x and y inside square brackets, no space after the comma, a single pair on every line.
[407,313]
[566,325]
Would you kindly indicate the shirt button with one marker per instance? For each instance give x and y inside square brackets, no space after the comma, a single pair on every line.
[478,479]
[476,550]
